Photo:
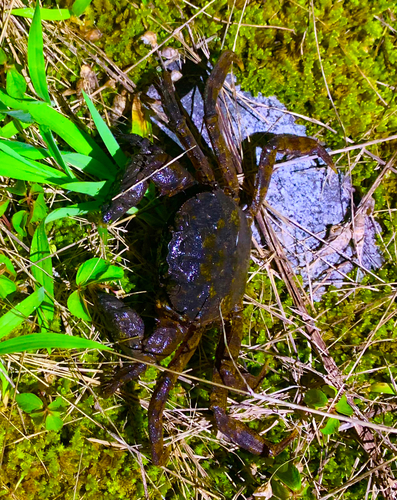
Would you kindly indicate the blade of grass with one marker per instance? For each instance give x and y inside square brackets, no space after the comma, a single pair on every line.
[16,169]
[48,341]
[53,148]
[46,14]
[36,63]
[26,150]
[43,114]
[91,188]
[40,168]
[73,210]
[12,128]
[89,165]
[43,274]
[110,142]
[16,316]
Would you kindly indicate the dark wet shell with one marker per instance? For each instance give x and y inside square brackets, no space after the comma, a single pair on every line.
[123,323]
[208,257]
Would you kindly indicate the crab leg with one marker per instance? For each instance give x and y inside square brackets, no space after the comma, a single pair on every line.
[287,144]
[222,152]
[184,134]
[225,374]
[150,163]
[126,328]
[161,393]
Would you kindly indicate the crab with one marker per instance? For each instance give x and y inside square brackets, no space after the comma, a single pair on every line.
[208,260]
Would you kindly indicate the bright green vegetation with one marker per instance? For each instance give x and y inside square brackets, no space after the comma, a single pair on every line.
[356,42]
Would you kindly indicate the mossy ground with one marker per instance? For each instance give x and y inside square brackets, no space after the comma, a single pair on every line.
[348,55]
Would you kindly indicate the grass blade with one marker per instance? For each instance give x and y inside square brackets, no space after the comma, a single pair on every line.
[90,188]
[46,14]
[54,150]
[43,274]
[12,128]
[28,166]
[36,63]
[19,170]
[73,210]
[43,114]
[48,341]
[26,150]
[110,142]
[89,165]
[14,318]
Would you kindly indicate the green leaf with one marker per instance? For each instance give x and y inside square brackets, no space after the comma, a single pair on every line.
[57,404]
[29,402]
[12,128]
[22,116]
[97,270]
[5,263]
[38,417]
[26,150]
[53,422]
[19,220]
[79,6]
[15,169]
[78,306]
[15,166]
[331,426]
[53,148]
[290,476]
[47,341]
[329,391]
[343,407]
[18,188]
[110,142]
[36,189]
[7,287]
[111,274]
[280,492]
[19,314]
[73,210]
[39,209]
[91,271]
[3,56]
[42,272]
[382,388]
[90,166]
[315,398]
[36,63]
[46,14]
[15,83]
[3,207]
[90,188]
